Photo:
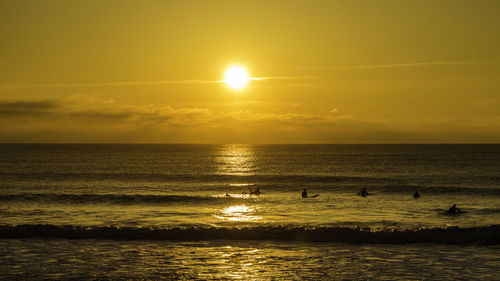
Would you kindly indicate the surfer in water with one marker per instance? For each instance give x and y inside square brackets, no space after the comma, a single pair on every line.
[416,195]
[454,210]
[304,194]
[253,192]
[364,193]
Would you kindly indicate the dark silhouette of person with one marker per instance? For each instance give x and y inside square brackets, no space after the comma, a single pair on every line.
[254,192]
[227,195]
[304,193]
[363,192]
[416,195]
[454,210]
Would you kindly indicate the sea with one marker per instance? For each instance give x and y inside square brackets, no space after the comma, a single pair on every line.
[186,212]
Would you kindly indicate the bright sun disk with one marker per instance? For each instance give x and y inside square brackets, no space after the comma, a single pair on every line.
[236,77]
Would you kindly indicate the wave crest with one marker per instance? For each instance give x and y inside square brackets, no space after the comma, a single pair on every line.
[109,198]
[449,235]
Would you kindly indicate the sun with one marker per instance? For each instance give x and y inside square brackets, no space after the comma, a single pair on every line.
[236,77]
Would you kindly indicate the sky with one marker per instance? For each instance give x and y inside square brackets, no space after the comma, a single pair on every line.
[323,71]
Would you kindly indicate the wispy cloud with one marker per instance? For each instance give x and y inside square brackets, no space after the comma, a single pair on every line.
[113,84]
[393,65]
[284,78]
[146,83]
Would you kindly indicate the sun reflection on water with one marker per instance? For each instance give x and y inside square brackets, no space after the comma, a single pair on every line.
[236,160]
[238,213]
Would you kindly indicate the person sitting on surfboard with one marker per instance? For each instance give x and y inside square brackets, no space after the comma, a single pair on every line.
[304,193]
[364,193]
[416,195]
[454,210]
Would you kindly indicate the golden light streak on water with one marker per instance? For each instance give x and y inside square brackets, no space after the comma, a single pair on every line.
[235,159]
[238,213]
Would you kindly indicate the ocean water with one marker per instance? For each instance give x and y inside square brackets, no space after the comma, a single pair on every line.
[161,211]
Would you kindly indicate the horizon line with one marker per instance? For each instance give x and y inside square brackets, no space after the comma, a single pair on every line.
[193,143]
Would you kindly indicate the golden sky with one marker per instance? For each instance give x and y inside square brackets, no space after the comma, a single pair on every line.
[328,71]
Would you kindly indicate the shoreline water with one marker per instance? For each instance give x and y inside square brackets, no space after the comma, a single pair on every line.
[250,260]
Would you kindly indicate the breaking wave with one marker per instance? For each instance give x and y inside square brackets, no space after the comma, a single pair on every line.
[109,198]
[449,235]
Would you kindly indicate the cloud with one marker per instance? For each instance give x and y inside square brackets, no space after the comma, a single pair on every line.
[102,115]
[394,65]
[146,83]
[90,119]
[26,108]
[283,78]
[132,115]
[94,112]
[112,84]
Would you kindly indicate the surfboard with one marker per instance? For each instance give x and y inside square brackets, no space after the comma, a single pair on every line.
[455,214]
[314,196]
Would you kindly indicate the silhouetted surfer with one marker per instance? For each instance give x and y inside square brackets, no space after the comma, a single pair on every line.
[254,192]
[304,194]
[364,193]
[227,195]
[416,195]
[454,210]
